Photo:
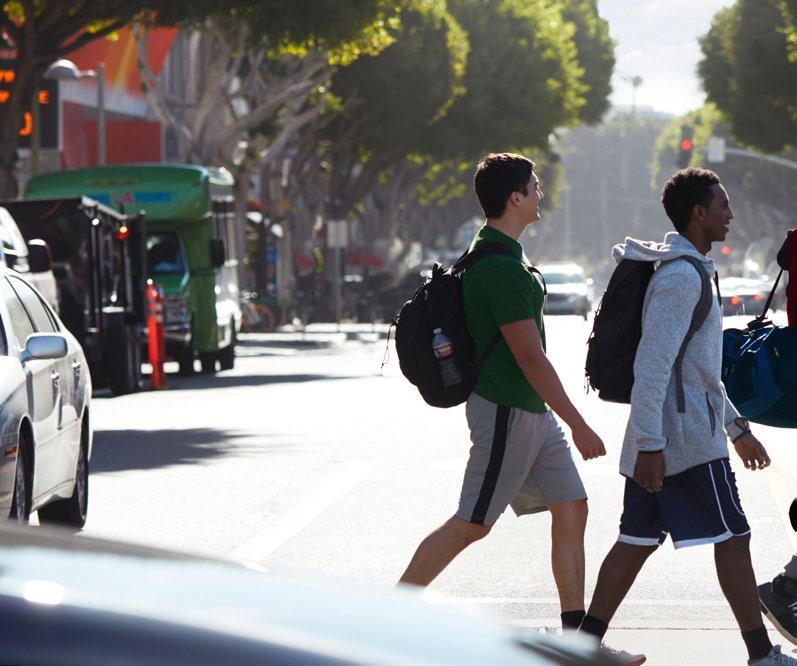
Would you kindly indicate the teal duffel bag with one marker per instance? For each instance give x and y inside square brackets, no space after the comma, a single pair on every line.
[759,370]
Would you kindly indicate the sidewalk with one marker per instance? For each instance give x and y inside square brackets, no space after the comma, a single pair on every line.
[706,645]
[690,647]
[319,335]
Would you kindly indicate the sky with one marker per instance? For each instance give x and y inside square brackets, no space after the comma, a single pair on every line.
[657,40]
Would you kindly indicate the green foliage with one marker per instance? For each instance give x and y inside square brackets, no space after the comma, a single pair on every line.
[523,79]
[762,193]
[748,73]
[396,96]
[595,50]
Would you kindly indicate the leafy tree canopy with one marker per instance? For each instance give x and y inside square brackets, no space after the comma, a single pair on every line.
[395,96]
[748,71]
[595,50]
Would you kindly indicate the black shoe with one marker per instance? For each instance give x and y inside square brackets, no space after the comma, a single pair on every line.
[779,604]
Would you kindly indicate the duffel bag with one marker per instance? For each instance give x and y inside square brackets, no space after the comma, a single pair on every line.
[759,370]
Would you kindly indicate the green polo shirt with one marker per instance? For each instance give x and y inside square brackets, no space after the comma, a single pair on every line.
[499,290]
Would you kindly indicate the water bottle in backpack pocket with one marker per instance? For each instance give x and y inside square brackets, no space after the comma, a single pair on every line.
[444,353]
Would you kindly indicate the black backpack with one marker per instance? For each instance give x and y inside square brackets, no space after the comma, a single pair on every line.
[438,304]
[617,329]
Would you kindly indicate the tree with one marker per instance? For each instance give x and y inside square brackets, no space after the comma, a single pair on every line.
[748,71]
[761,193]
[521,57]
[42,31]
[523,79]
[595,50]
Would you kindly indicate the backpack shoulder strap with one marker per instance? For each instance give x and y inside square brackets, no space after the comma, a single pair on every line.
[699,315]
[480,252]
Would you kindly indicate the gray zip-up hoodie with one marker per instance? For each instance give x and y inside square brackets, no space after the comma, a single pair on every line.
[696,436]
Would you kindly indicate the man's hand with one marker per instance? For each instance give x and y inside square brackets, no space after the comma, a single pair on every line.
[649,471]
[587,442]
[752,452]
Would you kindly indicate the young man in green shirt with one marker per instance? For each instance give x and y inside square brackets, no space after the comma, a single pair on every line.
[519,454]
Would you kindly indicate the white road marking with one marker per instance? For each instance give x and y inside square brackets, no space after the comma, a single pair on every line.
[287,526]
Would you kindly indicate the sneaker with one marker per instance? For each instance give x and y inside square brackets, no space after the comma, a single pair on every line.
[779,604]
[774,658]
[623,657]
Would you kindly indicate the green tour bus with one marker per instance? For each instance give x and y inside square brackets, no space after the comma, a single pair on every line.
[192,247]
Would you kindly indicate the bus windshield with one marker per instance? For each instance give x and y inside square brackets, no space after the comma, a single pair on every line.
[164,256]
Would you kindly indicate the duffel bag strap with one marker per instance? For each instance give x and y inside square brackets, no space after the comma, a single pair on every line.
[760,318]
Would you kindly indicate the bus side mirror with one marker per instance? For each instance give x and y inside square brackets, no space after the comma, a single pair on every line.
[39,258]
[217,252]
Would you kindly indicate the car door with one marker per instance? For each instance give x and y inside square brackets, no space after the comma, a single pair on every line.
[44,394]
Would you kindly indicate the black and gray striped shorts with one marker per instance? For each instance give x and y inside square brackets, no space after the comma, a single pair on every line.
[517,458]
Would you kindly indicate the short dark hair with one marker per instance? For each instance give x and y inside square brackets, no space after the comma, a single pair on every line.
[497,176]
[684,190]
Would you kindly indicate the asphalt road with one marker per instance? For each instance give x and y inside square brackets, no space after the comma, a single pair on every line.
[313,459]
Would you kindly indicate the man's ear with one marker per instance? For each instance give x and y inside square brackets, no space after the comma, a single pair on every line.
[698,212]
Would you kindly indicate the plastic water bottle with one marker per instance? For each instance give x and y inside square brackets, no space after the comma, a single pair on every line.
[444,353]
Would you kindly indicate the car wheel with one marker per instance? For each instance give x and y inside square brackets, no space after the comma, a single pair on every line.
[20,503]
[72,511]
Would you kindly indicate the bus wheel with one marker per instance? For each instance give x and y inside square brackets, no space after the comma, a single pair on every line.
[208,362]
[227,355]
[185,359]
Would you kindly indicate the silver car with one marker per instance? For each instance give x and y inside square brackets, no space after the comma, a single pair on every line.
[568,290]
[45,395]
[69,600]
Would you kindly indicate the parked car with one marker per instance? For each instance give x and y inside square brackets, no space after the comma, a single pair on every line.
[568,289]
[69,600]
[45,396]
[743,296]
[32,259]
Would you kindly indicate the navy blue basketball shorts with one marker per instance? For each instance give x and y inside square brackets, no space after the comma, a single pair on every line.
[700,505]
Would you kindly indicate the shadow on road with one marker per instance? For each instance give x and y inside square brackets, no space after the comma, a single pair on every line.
[227,381]
[122,450]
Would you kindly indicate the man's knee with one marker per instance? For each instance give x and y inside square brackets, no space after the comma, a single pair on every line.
[467,532]
[573,514]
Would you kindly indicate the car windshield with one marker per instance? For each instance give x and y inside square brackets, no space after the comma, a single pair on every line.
[164,255]
[562,278]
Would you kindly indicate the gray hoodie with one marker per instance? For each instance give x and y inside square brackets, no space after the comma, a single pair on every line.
[696,436]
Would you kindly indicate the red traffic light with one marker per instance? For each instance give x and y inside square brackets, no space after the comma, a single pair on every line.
[725,250]
[686,144]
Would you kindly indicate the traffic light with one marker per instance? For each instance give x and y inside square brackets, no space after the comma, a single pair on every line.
[685,147]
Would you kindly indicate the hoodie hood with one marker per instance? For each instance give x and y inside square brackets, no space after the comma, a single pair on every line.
[673,246]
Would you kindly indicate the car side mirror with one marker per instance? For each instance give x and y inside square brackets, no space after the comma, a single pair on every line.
[11,258]
[44,346]
[40,259]
[217,252]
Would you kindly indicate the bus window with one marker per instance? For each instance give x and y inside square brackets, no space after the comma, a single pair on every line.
[164,255]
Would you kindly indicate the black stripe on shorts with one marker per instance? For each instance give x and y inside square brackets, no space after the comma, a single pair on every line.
[494,466]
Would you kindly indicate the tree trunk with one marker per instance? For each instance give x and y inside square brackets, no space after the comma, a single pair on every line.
[11,117]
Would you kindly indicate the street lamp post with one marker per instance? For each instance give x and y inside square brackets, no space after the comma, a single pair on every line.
[67,70]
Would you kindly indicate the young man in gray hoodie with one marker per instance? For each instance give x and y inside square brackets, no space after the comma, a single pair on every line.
[678,476]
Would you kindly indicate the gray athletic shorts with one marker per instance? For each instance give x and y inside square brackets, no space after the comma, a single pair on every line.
[518,458]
